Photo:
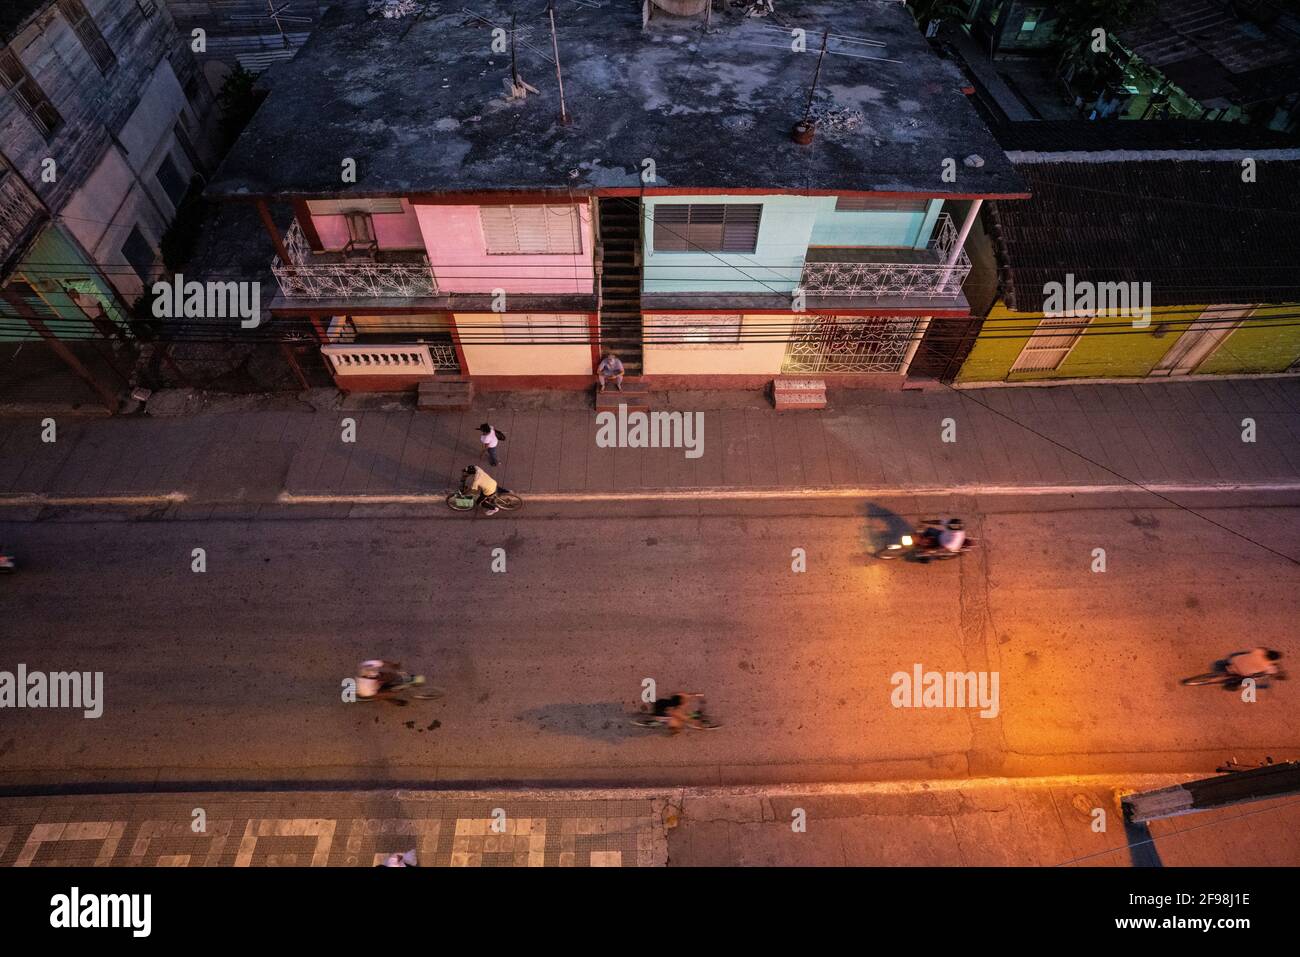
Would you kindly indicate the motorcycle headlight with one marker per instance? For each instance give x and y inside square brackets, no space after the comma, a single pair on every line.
[907,539]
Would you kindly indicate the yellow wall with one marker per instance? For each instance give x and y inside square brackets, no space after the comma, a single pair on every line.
[520,357]
[432,322]
[747,358]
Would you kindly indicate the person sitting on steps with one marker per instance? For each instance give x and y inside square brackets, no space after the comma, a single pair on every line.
[611,367]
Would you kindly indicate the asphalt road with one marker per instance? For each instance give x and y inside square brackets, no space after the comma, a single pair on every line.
[234,675]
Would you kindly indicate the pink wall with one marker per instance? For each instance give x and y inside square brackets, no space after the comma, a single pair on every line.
[453,236]
[393,230]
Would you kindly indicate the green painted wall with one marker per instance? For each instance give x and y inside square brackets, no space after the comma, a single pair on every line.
[55,268]
[1254,347]
[1101,354]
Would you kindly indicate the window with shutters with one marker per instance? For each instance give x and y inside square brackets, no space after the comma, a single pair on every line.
[1049,344]
[28,94]
[874,204]
[531,230]
[341,207]
[689,331]
[706,227]
[88,33]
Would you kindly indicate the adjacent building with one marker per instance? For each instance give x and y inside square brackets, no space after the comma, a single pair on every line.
[102,131]
[1182,262]
[474,196]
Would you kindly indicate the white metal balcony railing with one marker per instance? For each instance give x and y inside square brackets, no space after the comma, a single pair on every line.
[308,276]
[927,276]
[413,359]
[18,210]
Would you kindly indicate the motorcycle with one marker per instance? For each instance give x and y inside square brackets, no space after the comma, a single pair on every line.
[922,545]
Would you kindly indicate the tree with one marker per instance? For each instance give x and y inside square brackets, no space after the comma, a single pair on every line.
[1077,19]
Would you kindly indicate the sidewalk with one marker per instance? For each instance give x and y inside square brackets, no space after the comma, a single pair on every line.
[1177,433]
[1029,822]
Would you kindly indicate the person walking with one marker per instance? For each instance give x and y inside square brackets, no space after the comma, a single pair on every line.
[490,437]
[611,367]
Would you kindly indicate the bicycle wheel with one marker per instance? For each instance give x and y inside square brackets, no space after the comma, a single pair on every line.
[1210,678]
[508,501]
[459,502]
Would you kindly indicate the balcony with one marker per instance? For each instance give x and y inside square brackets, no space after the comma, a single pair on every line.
[889,273]
[388,274]
[20,214]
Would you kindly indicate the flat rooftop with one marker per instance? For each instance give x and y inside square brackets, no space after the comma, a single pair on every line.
[420,103]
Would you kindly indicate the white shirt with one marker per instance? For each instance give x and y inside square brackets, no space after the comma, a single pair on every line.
[1253,662]
[952,540]
[490,440]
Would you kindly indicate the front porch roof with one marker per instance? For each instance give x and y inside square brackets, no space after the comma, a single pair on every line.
[419,103]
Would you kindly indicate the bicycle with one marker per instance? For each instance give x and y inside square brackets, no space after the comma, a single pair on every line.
[462,501]
[1227,677]
[405,683]
[696,717]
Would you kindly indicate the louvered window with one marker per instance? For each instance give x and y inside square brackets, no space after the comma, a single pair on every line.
[84,26]
[706,227]
[28,94]
[340,207]
[873,204]
[531,230]
[1049,344]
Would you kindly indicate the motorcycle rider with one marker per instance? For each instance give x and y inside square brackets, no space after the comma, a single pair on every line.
[949,536]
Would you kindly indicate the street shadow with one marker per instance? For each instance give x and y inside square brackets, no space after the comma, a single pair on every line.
[1142,849]
[600,721]
[880,527]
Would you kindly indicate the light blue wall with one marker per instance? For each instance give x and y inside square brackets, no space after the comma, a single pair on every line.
[788,226]
[871,228]
[784,231]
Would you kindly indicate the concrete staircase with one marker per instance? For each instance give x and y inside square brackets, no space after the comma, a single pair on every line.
[620,283]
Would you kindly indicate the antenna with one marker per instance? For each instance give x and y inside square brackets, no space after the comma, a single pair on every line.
[812,91]
[559,76]
[276,15]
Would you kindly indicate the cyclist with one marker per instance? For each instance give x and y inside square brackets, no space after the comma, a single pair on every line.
[1260,663]
[377,678]
[474,479]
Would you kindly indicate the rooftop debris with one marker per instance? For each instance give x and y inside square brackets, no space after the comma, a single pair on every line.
[392,9]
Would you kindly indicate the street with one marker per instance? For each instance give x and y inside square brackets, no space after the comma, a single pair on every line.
[235,674]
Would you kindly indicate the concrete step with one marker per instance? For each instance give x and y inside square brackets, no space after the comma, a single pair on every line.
[797,392]
[611,399]
[445,394]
